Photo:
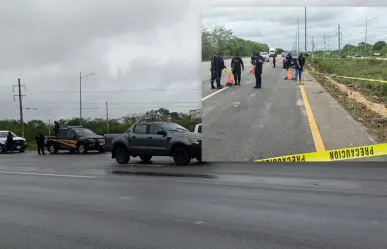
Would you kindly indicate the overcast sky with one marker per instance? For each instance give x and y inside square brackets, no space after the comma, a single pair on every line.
[277,26]
[136,48]
[145,53]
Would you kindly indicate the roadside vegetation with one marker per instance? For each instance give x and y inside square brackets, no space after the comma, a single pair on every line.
[221,39]
[97,125]
[366,101]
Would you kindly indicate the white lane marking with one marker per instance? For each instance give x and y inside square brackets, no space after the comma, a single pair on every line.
[214,93]
[236,104]
[198,222]
[43,174]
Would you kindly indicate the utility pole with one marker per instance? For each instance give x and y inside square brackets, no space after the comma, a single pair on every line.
[80,94]
[325,43]
[107,117]
[298,35]
[80,98]
[20,96]
[312,46]
[365,38]
[306,50]
[339,37]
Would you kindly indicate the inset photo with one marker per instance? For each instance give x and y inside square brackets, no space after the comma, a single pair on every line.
[280,83]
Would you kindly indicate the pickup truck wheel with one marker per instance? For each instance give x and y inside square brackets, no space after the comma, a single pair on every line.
[2,149]
[81,148]
[52,149]
[181,156]
[122,156]
[146,159]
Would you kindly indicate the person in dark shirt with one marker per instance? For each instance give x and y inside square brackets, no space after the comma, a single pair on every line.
[216,71]
[237,65]
[9,146]
[56,128]
[258,62]
[288,60]
[40,143]
[299,66]
[274,59]
[222,66]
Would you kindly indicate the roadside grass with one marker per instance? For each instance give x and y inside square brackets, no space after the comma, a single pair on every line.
[374,122]
[360,68]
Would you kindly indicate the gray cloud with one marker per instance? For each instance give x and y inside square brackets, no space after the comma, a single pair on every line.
[277,26]
[137,49]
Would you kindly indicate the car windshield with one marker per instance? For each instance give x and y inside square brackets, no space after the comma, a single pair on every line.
[83,131]
[263,53]
[174,127]
[5,134]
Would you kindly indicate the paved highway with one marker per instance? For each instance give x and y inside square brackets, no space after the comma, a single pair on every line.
[243,124]
[57,202]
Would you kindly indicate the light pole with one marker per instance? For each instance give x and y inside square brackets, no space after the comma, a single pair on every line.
[80,94]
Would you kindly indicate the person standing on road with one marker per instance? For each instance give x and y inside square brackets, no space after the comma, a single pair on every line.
[274,58]
[222,66]
[237,65]
[288,60]
[56,128]
[216,71]
[40,143]
[9,146]
[258,62]
[299,65]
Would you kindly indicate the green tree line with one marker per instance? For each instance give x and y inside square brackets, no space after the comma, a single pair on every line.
[98,125]
[364,49]
[221,39]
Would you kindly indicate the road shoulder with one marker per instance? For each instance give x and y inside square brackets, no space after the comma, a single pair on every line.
[338,129]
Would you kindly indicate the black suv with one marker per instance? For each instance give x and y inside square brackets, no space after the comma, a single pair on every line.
[293,61]
[75,139]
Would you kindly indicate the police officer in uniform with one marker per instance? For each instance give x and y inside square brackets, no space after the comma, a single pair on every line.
[40,143]
[216,71]
[56,128]
[288,60]
[9,146]
[258,62]
[237,65]
[222,66]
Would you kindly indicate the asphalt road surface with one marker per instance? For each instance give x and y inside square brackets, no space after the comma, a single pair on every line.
[244,124]
[71,201]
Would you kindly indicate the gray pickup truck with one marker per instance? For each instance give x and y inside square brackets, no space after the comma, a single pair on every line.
[148,139]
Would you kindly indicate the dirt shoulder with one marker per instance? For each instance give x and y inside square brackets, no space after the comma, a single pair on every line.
[366,103]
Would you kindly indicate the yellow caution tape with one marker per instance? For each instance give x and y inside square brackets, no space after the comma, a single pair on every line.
[333,155]
[364,79]
[348,77]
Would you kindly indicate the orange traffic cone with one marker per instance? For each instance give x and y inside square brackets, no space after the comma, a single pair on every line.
[271,61]
[290,74]
[229,79]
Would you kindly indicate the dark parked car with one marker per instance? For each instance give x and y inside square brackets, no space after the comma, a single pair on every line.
[293,61]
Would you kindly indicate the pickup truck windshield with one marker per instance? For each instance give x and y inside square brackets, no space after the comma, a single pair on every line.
[174,127]
[83,132]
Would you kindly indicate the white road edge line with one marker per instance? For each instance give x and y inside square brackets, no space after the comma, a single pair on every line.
[43,174]
[214,93]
